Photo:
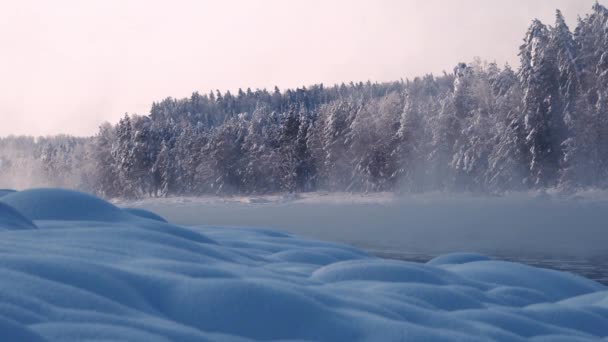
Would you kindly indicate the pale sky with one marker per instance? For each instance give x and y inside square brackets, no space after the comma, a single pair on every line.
[68,65]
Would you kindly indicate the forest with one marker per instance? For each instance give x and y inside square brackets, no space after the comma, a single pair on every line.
[479,128]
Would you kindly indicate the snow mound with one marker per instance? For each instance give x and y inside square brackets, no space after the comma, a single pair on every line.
[59,204]
[4,192]
[96,272]
[553,284]
[11,219]
[456,258]
[145,214]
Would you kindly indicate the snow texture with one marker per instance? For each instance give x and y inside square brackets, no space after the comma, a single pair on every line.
[92,271]
[4,192]
[11,219]
[145,214]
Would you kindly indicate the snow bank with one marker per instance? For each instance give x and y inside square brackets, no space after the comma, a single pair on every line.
[11,219]
[4,192]
[59,204]
[145,214]
[95,272]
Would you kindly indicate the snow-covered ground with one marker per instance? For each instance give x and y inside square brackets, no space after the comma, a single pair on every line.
[75,268]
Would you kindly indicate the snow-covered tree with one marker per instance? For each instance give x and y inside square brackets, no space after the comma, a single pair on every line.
[542,105]
[508,162]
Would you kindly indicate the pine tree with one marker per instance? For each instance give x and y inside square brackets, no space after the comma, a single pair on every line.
[444,129]
[123,154]
[334,146]
[288,163]
[162,171]
[409,144]
[508,162]
[306,169]
[474,104]
[542,105]
[104,162]
[575,159]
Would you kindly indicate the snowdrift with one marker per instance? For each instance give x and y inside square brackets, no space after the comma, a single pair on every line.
[67,205]
[87,270]
[145,214]
[4,192]
[11,219]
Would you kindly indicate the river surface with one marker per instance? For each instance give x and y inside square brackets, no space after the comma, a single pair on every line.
[569,235]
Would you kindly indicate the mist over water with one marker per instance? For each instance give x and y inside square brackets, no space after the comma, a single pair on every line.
[565,234]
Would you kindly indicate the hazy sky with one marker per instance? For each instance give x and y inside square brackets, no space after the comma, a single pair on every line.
[68,65]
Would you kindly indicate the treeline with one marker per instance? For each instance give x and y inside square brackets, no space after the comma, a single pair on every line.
[61,161]
[480,128]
